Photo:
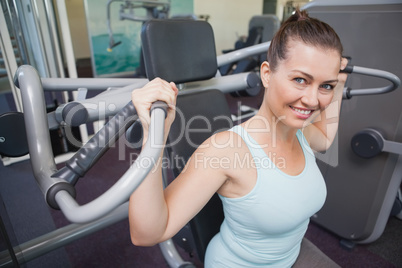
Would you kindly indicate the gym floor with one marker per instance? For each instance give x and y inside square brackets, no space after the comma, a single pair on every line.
[28,216]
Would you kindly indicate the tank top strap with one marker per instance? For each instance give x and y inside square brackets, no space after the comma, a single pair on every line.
[255,149]
[304,143]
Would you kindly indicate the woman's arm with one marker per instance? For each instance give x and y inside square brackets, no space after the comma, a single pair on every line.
[156,215]
[322,131]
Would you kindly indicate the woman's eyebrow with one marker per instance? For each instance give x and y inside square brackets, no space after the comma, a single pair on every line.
[312,77]
[331,81]
[303,73]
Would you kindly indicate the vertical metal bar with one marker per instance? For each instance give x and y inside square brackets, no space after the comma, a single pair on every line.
[171,255]
[36,34]
[9,58]
[45,23]
[66,37]
[51,20]
[68,49]
[17,31]
[40,148]
[23,32]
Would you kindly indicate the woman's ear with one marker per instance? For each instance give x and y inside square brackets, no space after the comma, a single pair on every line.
[265,72]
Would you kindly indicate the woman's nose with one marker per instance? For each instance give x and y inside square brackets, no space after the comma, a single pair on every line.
[310,98]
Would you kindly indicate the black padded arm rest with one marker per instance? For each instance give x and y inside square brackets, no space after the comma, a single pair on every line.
[90,153]
[179,50]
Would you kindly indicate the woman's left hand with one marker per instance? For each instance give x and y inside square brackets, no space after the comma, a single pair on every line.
[341,77]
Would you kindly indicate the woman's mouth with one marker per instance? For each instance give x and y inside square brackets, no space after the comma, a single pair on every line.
[302,113]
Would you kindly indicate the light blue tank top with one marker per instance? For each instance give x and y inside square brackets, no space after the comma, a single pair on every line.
[265,227]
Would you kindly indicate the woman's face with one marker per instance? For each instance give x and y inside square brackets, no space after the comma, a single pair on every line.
[302,84]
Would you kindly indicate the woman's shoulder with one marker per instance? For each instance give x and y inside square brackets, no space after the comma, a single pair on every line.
[225,147]
[222,147]
[236,162]
[228,140]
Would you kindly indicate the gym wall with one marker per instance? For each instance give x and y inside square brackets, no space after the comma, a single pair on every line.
[229,19]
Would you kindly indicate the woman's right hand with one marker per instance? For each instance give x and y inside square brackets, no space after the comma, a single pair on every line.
[156,90]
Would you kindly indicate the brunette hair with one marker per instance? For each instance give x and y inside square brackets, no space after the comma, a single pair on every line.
[301,27]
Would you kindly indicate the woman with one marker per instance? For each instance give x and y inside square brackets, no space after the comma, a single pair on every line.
[268,198]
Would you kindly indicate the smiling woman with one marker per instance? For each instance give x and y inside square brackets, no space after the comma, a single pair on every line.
[300,84]
[266,176]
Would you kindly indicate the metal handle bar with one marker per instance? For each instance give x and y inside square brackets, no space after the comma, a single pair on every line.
[395,82]
[125,186]
[90,152]
[44,168]
[113,100]
[242,53]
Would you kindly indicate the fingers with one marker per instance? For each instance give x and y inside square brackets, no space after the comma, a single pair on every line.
[344,63]
[343,76]
[156,90]
[174,87]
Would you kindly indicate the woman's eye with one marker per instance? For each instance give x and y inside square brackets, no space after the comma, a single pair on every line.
[299,80]
[327,86]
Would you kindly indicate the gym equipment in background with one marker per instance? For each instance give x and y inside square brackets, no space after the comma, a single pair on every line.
[153,10]
[362,191]
[58,185]
[261,30]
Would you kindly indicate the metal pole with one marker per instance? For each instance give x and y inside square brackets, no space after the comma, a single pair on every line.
[61,237]
[70,58]
[9,58]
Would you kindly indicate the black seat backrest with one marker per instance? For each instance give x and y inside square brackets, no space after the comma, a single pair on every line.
[184,51]
[179,50]
[198,117]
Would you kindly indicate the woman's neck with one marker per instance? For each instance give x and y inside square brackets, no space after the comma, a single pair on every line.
[268,127]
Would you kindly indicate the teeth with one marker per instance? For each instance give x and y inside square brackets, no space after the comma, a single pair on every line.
[302,111]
